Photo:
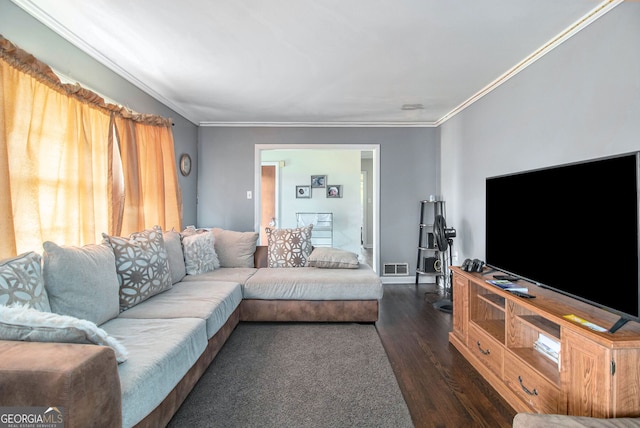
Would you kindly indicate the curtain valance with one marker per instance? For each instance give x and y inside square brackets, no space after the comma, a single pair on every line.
[27,63]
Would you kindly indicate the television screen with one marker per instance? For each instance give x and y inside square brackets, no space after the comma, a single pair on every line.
[571,228]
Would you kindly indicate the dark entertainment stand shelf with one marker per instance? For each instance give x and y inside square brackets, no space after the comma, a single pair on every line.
[496,331]
[428,251]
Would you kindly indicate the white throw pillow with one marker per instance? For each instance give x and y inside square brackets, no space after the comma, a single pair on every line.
[199,253]
[31,325]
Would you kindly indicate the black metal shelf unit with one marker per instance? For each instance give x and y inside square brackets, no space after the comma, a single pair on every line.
[430,258]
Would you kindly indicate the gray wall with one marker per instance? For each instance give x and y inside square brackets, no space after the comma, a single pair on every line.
[409,172]
[29,34]
[581,101]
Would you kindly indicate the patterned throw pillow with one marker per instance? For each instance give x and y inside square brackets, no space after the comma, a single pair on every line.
[21,282]
[199,253]
[142,266]
[289,247]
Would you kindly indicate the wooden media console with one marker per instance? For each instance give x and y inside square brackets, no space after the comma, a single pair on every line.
[500,334]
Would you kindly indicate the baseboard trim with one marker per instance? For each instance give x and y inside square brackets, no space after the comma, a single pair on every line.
[406,279]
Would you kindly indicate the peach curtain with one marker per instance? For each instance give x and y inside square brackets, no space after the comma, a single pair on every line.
[62,176]
[54,166]
[152,195]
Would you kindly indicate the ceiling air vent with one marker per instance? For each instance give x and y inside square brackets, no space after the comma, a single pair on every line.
[396,269]
[412,107]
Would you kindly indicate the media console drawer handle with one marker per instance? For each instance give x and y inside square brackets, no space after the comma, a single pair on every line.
[525,389]
[487,352]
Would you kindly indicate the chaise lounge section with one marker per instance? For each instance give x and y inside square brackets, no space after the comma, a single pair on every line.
[310,294]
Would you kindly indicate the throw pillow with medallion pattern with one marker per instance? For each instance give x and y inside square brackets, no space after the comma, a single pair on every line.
[289,247]
[21,282]
[141,264]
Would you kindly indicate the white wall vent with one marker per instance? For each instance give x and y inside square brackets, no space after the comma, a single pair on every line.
[396,269]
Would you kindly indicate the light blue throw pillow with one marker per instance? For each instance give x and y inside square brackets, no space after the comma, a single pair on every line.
[81,281]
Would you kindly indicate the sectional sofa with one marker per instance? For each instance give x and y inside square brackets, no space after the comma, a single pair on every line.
[118,333]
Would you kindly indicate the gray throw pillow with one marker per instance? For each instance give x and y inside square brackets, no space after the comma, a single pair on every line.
[173,244]
[333,258]
[21,282]
[235,249]
[82,281]
[142,265]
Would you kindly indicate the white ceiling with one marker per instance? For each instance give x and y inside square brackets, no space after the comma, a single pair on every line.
[315,62]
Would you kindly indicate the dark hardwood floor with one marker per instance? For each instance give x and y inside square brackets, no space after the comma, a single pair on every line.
[440,387]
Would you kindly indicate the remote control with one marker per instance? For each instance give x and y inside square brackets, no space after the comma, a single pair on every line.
[506,278]
[521,294]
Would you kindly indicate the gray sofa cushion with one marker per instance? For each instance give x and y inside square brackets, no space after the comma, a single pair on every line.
[310,283]
[82,281]
[212,301]
[239,275]
[161,352]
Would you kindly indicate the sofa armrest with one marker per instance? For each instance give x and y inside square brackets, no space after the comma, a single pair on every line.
[83,380]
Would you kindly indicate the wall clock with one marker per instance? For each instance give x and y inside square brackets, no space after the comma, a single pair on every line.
[185,164]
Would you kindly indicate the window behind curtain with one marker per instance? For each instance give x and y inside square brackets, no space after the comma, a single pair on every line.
[61,170]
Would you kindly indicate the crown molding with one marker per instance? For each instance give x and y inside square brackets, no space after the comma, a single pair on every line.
[556,41]
[562,37]
[30,7]
[322,124]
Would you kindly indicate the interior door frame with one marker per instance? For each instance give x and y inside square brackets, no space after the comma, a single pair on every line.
[375,192]
[277,193]
[365,211]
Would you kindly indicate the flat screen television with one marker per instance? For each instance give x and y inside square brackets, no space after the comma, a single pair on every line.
[570,228]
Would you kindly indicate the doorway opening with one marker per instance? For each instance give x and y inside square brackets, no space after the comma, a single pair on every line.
[366,213]
[270,196]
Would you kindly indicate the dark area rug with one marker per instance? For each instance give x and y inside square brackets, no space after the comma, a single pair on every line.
[297,375]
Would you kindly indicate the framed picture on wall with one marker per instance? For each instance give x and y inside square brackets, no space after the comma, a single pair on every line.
[334,190]
[318,181]
[303,192]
